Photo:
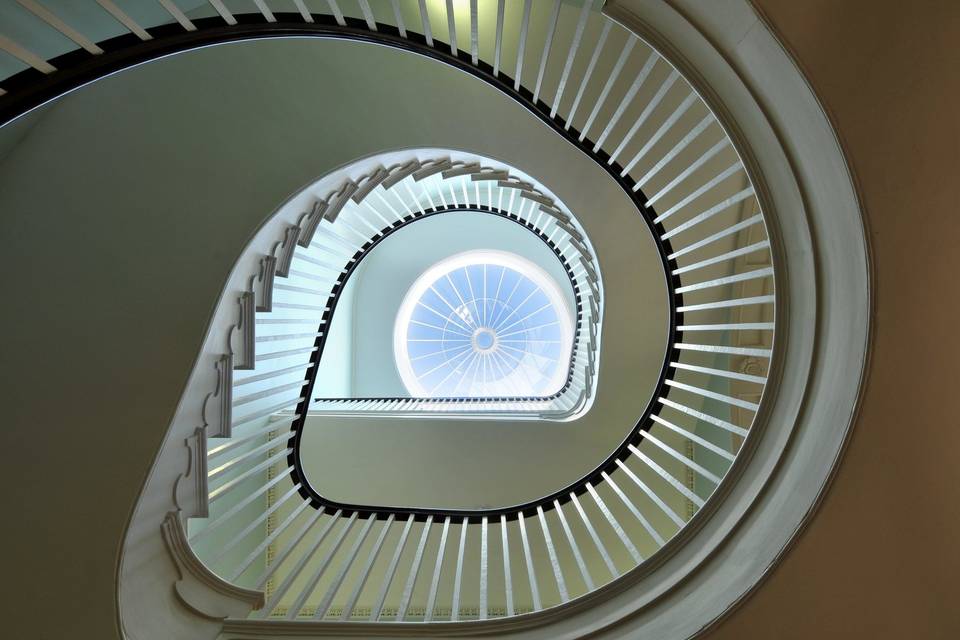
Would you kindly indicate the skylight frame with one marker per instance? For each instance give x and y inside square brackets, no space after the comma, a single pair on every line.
[527,270]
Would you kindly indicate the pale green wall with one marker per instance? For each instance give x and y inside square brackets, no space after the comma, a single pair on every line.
[122,212]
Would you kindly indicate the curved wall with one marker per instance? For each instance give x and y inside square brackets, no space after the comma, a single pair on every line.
[879,559]
[128,201]
[107,386]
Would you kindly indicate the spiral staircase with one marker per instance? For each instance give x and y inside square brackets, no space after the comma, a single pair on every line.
[251,523]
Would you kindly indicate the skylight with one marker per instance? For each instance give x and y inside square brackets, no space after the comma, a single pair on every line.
[483,324]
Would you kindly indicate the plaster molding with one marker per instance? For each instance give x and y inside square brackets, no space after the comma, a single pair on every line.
[197,588]
[268,268]
[310,221]
[245,324]
[224,394]
[287,248]
[195,476]
[368,183]
[338,200]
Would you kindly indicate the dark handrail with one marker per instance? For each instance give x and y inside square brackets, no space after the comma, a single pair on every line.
[31,88]
[293,459]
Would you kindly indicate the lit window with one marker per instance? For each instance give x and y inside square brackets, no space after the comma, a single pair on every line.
[483,324]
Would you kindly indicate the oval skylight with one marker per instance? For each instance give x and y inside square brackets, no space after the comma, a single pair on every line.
[483,324]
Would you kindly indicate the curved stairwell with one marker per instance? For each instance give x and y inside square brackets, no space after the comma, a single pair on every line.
[630,110]
[264,392]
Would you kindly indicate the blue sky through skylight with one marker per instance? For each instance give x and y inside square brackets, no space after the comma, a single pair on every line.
[483,324]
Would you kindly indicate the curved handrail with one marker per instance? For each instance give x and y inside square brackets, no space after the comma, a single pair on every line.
[523,96]
[297,475]
[78,67]
[122,52]
[386,232]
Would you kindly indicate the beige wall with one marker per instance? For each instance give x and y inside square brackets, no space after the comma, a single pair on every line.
[880,559]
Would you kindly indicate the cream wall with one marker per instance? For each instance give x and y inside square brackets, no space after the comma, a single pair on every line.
[123,210]
[880,558]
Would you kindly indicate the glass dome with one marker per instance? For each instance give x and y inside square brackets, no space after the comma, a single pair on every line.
[483,324]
